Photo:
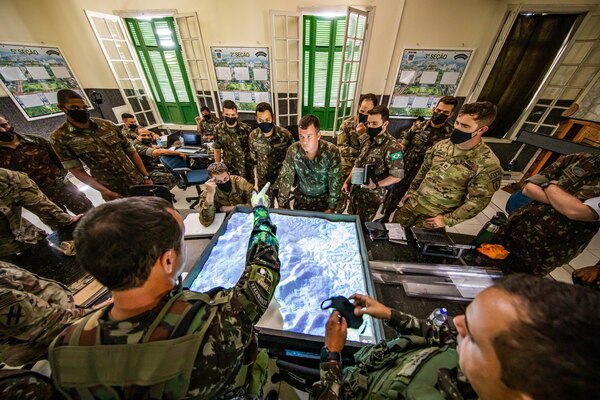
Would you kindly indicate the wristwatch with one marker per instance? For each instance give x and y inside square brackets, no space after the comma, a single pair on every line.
[327,355]
[544,185]
[145,177]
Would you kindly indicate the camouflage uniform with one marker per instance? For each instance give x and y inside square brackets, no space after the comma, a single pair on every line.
[35,157]
[235,147]
[153,167]
[385,152]
[208,127]
[539,237]
[431,361]
[33,310]
[131,135]
[319,182]
[348,143]
[16,233]
[227,345]
[416,141]
[103,148]
[453,182]
[240,194]
[268,153]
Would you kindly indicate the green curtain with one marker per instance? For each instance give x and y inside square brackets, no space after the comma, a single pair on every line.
[528,52]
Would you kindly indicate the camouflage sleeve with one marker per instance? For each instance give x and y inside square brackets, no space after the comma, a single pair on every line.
[406,324]
[217,138]
[416,182]
[480,191]
[395,161]
[287,174]
[142,149]
[555,170]
[256,287]
[125,142]
[335,181]
[66,156]
[246,188]
[343,142]
[252,145]
[330,386]
[407,136]
[53,157]
[207,211]
[32,198]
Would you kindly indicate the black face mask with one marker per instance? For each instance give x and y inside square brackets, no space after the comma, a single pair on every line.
[458,137]
[345,308]
[207,117]
[147,142]
[133,127]
[230,120]
[225,186]
[374,132]
[8,135]
[438,118]
[362,118]
[265,127]
[81,116]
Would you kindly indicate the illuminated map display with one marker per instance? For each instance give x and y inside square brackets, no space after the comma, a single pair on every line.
[319,259]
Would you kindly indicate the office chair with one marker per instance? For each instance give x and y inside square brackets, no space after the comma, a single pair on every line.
[187,177]
[516,201]
[152,191]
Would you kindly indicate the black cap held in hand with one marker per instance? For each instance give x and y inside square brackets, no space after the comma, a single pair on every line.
[345,308]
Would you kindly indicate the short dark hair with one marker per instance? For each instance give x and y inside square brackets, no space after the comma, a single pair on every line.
[450,100]
[420,118]
[204,108]
[552,351]
[381,110]
[118,242]
[217,168]
[370,97]
[484,110]
[262,107]
[309,120]
[126,115]
[64,95]
[230,105]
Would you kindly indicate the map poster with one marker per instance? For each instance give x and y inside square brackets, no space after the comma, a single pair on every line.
[424,76]
[243,75]
[32,75]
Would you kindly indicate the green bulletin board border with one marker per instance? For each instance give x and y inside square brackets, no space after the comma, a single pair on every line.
[29,55]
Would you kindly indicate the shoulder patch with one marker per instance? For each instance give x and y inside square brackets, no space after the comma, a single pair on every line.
[396,156]
[12,316]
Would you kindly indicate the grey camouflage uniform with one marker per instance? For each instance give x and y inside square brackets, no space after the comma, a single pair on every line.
[33,310]
[318,181]
[455,183]
[16,233]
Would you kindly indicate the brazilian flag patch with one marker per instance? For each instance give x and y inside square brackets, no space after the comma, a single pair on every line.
[396,156]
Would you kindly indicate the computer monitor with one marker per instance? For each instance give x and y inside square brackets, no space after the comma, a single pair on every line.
[192,139]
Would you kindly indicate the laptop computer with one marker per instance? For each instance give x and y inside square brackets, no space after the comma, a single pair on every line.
[192,143]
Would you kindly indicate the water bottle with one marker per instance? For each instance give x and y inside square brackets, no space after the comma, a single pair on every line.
[490,228]
[168,130]
[439,316]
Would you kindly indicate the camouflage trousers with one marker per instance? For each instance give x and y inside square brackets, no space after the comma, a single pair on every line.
[66,195]
[411,214]
[308,203]
[163,178]
[24,384]
[344,197]
[365,202]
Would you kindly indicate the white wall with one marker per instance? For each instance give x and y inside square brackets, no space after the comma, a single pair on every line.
[424,23]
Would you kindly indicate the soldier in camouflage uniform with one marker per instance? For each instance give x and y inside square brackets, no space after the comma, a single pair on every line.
[150,154]
[232,138]
[559,224]
[222,192]
[519,353]
[313,165]
[130,126]
[141,267]
[33,155]
[206,123]
[380,148]
[33,310]
[415,142]
[114,164]
[268,146]
[458,176]
[348,139]
[18,234]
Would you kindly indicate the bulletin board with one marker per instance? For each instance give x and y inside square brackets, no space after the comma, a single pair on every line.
[32,75]
[424,76]
[243,75]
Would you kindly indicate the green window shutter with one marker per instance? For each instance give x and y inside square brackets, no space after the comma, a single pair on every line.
[323,32]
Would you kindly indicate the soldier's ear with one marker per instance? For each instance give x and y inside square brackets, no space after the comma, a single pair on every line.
[167,261]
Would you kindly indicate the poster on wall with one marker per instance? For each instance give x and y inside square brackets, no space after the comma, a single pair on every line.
[243,75]
[32,75]
[424,76]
